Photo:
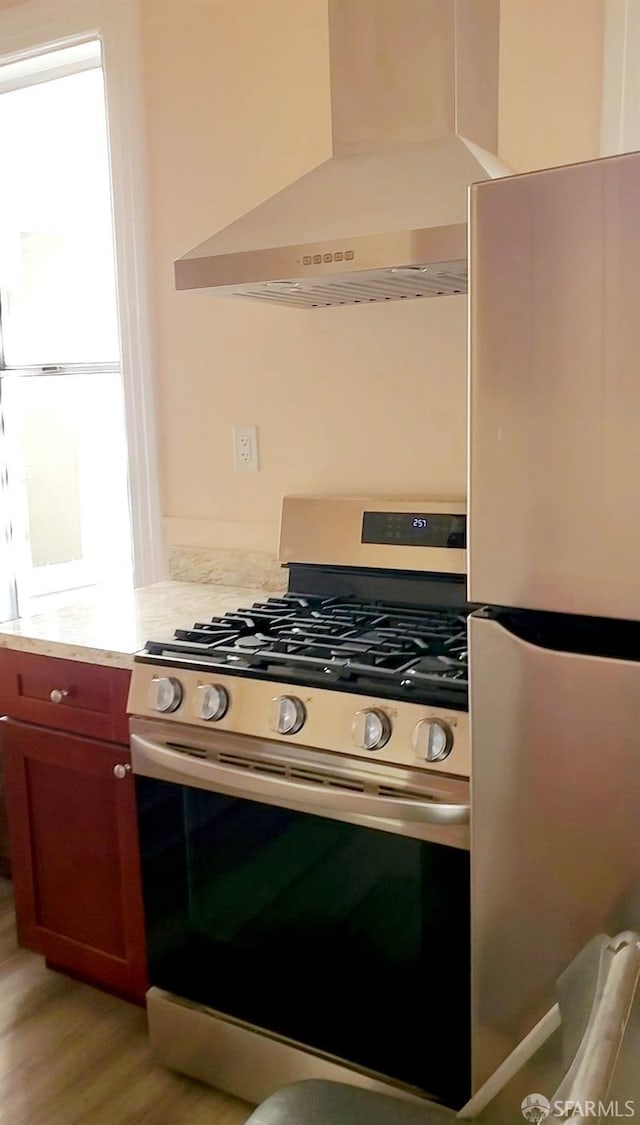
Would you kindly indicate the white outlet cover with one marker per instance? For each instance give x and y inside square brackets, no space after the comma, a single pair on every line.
[245,449]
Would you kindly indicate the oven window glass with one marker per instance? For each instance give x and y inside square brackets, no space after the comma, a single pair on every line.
[350,940]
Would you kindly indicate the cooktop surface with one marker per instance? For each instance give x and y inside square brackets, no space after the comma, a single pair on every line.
[399,651]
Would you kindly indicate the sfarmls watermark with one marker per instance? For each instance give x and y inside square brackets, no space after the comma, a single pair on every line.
[537,1108]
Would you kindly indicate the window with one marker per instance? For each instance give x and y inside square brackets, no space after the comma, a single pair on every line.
[63,451]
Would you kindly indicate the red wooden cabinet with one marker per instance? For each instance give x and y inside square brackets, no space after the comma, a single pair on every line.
[72,824]
[5,853]
[68,694]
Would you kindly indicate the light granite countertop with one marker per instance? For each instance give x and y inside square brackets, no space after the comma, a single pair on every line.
[109,629]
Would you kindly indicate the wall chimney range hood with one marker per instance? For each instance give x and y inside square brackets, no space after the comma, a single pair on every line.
[414,104]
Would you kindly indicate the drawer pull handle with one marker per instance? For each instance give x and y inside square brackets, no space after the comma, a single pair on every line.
[58,695]
[121,771]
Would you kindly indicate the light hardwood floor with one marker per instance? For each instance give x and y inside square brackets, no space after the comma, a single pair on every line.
[70,1055]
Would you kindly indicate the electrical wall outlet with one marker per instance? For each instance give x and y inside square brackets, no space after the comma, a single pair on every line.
[245,449]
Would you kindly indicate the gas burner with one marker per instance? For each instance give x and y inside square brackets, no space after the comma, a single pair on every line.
[393,650]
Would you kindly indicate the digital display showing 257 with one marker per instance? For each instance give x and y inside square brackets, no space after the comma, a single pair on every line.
[415,529]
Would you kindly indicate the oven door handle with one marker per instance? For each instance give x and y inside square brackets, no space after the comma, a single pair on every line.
[153,759]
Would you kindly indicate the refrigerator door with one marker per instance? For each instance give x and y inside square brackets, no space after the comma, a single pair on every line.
[555,834]
[554,517]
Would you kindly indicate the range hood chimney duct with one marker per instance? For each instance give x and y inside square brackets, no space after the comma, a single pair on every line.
[414,101]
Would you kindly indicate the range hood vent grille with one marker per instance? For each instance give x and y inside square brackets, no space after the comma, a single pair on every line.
[365,288]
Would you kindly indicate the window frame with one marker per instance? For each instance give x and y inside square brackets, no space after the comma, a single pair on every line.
[26,32]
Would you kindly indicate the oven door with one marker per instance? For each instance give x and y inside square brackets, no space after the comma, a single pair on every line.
[318,899]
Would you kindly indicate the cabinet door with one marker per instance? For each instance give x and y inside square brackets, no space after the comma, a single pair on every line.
[5,854]
[75,854]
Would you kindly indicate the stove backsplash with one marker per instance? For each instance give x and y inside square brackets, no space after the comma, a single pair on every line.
[228,566]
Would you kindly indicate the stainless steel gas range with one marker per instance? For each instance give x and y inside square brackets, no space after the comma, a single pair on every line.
[302,773]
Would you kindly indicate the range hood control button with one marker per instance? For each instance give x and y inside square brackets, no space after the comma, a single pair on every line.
[370,730]
[166,693]
[287,714]
[432,740]
[212,702]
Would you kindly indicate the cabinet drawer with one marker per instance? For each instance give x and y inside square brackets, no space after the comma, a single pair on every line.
[67,694]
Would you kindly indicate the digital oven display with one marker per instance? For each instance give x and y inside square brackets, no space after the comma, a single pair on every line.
[414,529]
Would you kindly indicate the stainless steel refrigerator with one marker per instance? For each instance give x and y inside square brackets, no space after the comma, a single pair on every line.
[554,555]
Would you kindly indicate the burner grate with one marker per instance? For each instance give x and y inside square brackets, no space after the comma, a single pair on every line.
[371,646]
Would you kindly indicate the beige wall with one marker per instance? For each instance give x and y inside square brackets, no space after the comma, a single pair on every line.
[550,81]
[369,399]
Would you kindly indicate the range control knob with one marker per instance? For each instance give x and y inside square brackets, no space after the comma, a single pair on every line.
[212,701]
[166,693]
[432,740]
[371,729]
[287,714]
